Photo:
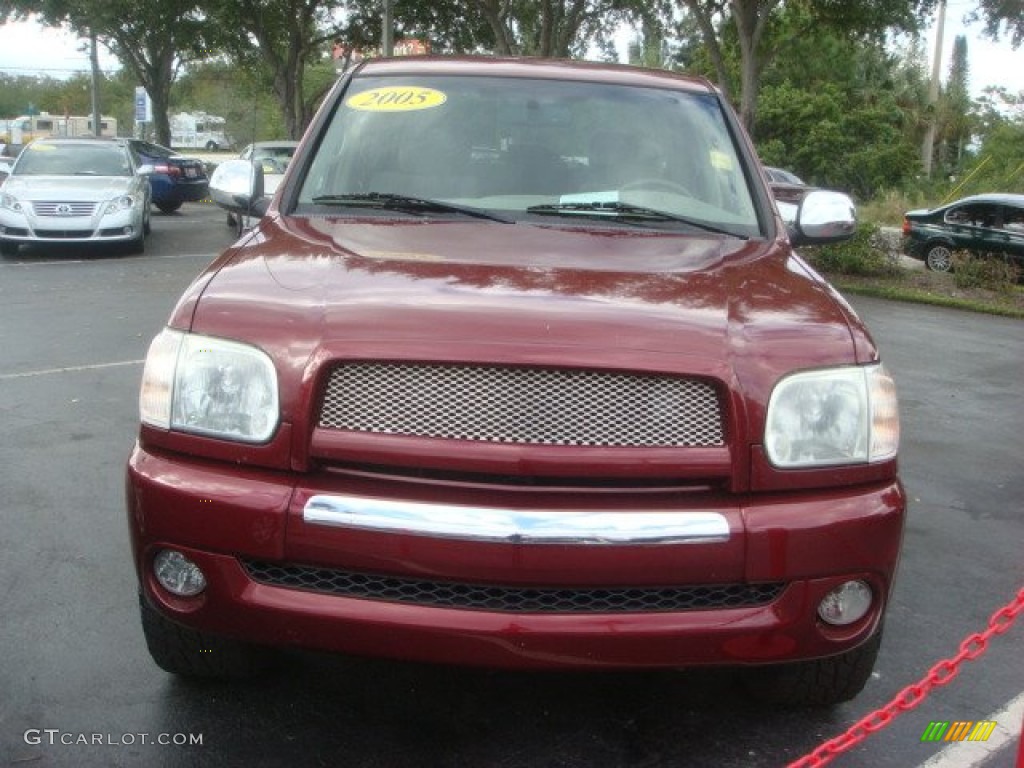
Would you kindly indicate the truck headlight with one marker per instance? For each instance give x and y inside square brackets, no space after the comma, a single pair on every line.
[209,386]
[832,416]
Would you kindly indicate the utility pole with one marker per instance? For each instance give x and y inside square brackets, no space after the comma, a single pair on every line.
[387,42]
[933,94]
[95,60]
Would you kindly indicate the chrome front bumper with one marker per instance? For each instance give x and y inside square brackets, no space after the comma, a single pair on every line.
[516,526]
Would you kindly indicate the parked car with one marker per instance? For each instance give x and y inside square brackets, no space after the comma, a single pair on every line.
[175,179]
[6,163]
[980,224]
[786,187]
[783,176]
[484,386]
[274,157]
[75,191]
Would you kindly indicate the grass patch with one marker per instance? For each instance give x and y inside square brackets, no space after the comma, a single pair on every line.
[872,266]
[999,304]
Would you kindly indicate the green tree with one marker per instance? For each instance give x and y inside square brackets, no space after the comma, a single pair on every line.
[955,110]
[999,161]
[283,37]
[69,96]
[243,99]
[17,92]
[836,140]
[149,37]
[449,26]
[762,29]
[997,13]
[650,48]
[552,28]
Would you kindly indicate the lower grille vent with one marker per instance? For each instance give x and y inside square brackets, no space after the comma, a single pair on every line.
[512,599]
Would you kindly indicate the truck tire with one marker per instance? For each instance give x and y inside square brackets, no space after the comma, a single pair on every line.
[817,683]
[188,652]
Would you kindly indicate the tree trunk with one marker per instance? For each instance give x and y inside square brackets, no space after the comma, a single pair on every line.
[751,17]
[504,40]
[154,70]
[704,14]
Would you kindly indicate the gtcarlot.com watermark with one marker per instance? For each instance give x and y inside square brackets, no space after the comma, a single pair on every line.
[55,736]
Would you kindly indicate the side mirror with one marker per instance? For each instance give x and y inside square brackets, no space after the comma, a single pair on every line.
[146,169]
[821,217]
[238,186]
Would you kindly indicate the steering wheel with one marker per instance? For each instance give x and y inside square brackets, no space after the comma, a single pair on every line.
[652,183]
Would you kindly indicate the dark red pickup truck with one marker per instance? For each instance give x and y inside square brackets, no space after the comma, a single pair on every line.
[519,368]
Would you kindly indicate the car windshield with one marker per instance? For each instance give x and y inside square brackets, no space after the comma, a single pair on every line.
[153,150]
[282,153]
[46,159]
[534,149]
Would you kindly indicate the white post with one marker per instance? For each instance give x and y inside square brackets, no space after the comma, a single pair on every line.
[933,94]
[387,46]
[95,60]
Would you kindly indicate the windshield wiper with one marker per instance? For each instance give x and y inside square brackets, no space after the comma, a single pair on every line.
[394,202]
[625,211]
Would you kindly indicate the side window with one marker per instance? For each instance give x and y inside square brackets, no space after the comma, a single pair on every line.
[956,216]
[975,215]
[1014,219]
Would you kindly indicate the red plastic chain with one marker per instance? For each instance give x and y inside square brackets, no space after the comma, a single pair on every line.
[904,701]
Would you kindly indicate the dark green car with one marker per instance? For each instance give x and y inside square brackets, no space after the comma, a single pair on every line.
[981,224]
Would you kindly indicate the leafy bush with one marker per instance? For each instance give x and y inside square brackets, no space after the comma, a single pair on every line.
[991,271]
[867,253]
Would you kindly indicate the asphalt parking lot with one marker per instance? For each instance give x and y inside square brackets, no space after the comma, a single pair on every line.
[78,687]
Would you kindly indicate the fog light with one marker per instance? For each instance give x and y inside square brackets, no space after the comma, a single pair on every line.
[847,603]
[177,574]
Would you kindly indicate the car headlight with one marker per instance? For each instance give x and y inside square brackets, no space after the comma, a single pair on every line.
[122,203]
[832,416]
[209,386]
[10,202]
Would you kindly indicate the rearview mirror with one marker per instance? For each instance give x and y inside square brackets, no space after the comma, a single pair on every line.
[821,217]
[237,186]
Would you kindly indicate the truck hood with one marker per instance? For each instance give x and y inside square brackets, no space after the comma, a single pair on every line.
[309,290]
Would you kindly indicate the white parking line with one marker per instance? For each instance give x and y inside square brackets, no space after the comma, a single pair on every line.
[68,369]
[969,754]
[107,260]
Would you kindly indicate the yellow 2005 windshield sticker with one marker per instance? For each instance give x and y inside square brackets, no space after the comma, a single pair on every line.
[396,98]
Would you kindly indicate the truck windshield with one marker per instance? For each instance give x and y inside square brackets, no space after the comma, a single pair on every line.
[533,149]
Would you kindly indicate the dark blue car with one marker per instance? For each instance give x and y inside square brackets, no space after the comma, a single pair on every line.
[176,179]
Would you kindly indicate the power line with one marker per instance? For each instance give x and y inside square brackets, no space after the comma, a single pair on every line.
[70,70]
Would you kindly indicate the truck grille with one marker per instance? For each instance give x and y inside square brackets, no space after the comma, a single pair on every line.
[512,599]
[523,405]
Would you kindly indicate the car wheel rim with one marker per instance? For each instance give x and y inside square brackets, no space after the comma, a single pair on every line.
[940,259]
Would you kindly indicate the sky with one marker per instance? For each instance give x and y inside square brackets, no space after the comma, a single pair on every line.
[27,48]
[988,63]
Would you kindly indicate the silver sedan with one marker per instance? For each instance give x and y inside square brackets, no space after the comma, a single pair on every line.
[75,191]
